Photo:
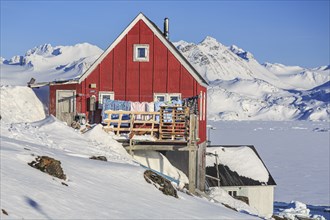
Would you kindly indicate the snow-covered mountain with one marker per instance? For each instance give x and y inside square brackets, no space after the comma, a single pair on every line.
[47,63]
[240,87]
[243,89]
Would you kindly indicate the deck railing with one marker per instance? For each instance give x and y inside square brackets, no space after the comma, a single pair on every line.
[171,123]
[131,121]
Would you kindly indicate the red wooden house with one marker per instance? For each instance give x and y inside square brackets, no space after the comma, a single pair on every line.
[140,65]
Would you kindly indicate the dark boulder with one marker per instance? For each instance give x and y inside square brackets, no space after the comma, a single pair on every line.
[4,212]
[48,165]
[102,158]
[161,183]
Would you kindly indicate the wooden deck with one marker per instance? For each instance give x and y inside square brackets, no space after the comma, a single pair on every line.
[171,123]
[175,129]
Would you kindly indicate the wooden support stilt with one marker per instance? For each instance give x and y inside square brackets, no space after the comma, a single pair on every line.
[192,145]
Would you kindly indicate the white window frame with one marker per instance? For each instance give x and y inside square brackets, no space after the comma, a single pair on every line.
[170,95]
[167,96]
[104,93]
[200,105]
[232,193]
[160,94]
[136,48]
[204,106]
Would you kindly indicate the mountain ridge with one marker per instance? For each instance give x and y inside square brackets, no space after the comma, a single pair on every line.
[240,87]
[243,89]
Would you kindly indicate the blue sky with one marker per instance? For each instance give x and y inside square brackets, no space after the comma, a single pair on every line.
[287,32]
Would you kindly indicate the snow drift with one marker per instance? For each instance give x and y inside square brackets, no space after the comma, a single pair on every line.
[16,109]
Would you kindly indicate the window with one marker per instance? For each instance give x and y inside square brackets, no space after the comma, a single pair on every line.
[105,95]
[159,97]
[232,193]
[141,53]
[166,97]
[174,97]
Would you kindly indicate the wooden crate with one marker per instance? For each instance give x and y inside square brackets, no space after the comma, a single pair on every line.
[174,123]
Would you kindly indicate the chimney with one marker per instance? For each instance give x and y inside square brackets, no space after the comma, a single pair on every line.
[166,28]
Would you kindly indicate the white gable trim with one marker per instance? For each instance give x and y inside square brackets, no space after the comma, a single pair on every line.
[160,37]
[109,49]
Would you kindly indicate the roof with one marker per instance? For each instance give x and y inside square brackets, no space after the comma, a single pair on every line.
[161,37]
[237,168]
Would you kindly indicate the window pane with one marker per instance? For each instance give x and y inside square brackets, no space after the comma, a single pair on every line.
[141,52]
[174,98]
[106,96]
[160,98]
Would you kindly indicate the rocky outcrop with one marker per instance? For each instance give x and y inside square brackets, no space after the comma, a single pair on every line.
[48,165]
[160,183]
[102,158]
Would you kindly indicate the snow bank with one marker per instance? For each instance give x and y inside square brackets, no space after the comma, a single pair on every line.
[220,195]
[20,104]
[243,160]
[94,189]
[297,210]
[99,137]
[160,163]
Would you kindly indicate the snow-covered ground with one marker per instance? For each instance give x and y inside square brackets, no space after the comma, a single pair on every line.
[295,152]
[115,189]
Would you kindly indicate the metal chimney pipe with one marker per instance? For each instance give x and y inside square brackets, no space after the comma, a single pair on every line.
[166,28]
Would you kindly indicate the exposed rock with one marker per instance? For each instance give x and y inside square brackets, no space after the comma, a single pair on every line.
[102,158]
[226,205]
[75,125]
[160,183]
[243,199]
[48,165]
[4,212]
[276,217]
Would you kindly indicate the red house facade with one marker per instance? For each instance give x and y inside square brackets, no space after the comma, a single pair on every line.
[140,65]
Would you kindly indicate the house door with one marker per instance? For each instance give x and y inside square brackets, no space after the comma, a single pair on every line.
[66,105]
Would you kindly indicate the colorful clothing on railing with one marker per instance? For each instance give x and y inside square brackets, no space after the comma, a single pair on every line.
[114,105]
[117,105]
[138,106]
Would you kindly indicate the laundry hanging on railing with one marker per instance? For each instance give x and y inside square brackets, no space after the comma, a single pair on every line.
[115,105]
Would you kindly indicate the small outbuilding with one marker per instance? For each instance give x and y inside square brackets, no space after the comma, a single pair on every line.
[240,171]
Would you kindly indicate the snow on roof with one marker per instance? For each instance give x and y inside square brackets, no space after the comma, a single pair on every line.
[243,160]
